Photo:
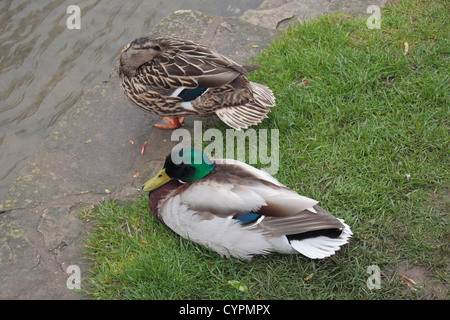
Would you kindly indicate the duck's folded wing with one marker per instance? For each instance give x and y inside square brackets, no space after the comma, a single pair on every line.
[302,224]
[234,187]
[186,64]
[173,75]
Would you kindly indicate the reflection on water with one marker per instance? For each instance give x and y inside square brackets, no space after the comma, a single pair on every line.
[45,67]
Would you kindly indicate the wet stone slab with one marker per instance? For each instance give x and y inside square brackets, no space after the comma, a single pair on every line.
[88,157]
[88,151]
[232,37]
[278,14]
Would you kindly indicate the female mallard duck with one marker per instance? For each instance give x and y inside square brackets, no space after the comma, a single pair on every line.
[238,210]
[174,77]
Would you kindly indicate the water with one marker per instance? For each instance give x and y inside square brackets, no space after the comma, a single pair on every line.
[45,67]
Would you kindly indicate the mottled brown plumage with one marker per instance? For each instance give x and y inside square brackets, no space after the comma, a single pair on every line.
[153,69]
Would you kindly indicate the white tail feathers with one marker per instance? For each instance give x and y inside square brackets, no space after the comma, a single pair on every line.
[241,117]
[322,246]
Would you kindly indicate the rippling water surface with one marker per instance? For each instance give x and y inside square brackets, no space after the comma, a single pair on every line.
[45,67]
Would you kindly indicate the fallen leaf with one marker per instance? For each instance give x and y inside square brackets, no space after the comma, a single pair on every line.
[132,142]
[238,285]
[108,191]
[406,48]
[411,287]
[143,147]
[88,141]
[308,277]
[137,175]
[303,83]
[408,279]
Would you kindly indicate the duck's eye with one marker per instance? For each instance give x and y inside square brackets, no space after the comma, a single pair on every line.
[160,176]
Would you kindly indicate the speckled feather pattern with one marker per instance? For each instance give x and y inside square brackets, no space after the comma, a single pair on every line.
[184,64]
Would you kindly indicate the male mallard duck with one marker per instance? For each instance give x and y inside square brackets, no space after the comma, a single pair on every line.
[238,210]
[174,77]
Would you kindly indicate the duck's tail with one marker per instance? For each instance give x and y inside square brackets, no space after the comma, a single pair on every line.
[253,112]
[322,246]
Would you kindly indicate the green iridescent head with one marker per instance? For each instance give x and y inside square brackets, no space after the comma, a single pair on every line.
[186,164]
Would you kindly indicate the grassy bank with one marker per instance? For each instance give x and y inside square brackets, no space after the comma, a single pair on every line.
[363,129]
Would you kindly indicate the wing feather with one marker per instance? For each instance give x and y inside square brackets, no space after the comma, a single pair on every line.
[237,187]
[185,62]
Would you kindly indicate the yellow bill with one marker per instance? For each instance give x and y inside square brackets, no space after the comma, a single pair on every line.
[157,181]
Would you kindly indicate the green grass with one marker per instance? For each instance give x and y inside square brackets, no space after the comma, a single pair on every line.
[367,137]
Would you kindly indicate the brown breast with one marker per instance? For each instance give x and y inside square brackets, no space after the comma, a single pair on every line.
[156,196]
